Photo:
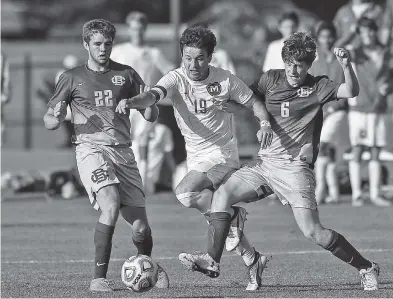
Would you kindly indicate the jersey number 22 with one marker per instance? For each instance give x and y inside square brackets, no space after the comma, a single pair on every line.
[103,98]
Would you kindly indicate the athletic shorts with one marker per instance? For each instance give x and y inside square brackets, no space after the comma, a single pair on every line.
[331,126]
[216,162]
[292,181]
[101,165]
[368,129]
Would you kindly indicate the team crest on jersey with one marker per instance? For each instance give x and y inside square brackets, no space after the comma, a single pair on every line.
[304,92]
[214,89]
[118,80]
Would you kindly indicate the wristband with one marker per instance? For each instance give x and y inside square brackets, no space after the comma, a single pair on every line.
[265,123]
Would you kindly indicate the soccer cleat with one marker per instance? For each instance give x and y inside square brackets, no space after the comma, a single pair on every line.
[369,277]
[380,202]
[236,229]
[255,271]
[163,279]
[200,262]
[357,201]
[101,285]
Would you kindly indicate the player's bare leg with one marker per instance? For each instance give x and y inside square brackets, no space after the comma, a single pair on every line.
[355,176]
[309,224]
[109,202]
[375,174]
[320,175]
[136,218]
[226,195]
[332,183]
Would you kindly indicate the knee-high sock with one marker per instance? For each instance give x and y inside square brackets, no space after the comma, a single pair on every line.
[374,170]
[217,234]
[246,251]
[332,181]
[341,248]
[355,178]
[320,171]
[143,242]
[103,246]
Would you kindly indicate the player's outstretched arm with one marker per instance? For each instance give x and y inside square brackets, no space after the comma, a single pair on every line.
[54,117]
[139,102]
[350,88]
[150,113]
[265,133]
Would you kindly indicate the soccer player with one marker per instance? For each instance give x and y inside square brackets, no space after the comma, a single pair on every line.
[5,90]
[367,119]
[200,94]
[334,114]
[294,99]
[104,158]
[287,25]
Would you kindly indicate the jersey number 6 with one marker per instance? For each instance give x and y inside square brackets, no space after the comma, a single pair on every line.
[285,109]
[103,98]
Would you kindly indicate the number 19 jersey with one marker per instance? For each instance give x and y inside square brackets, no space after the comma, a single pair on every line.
[201,122]
[93,98]
[295,114]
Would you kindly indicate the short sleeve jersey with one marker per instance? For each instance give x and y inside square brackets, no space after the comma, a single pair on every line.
[202,124]
[93,97]
[295,114]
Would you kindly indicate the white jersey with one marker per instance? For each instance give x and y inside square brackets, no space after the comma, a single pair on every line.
[149,62]
[201,122]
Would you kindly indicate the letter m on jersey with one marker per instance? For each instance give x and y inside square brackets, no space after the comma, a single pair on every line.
[214,89]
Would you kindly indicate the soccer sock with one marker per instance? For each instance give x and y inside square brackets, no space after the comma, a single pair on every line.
[103,243]
[374,170]
[341,248]
[355,178]
[217,234]
[246,251]
[320,169]
[332,181]
[143,242]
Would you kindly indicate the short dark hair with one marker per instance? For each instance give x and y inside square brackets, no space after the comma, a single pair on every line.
[95,26]
[137,16]
[293,16]
[300,47]
[368,23]
[198,37]
[325,26]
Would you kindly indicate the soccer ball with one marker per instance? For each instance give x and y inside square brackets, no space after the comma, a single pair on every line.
[139,273]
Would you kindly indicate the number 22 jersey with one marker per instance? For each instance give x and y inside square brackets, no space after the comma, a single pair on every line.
[295,114]
[93,97]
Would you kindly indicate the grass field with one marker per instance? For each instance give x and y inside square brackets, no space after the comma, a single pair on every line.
[47,250]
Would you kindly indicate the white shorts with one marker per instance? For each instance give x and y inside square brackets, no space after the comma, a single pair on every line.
[331,126]
[292,181]
[101,165]
[216,162]
[368,129]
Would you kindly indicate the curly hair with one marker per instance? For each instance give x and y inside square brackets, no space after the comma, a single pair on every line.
[299,47]
[198,37]
[101,26]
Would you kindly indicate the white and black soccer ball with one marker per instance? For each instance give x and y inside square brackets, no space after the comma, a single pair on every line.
[139,273]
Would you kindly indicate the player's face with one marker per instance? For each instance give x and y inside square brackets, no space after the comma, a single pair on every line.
[287,28]
[196,62]
[99,48]
[367,36]
[136,30]
[326,39]
[296,72]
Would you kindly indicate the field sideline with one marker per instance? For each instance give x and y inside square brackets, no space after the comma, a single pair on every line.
[47,251]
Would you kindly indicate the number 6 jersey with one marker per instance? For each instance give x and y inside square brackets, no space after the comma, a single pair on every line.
[196,104]
[93,97]
[295,114]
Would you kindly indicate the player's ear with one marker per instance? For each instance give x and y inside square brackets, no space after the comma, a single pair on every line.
[86,45]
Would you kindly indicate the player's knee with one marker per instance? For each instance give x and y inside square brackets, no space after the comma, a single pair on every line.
[221,200]
[188,199]
[141,233]
[110,203]
[357,152]
[374,151]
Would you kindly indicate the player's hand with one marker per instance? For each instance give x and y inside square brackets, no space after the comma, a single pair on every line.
[122,106]
[60,110]
[342,56]
[265,136]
